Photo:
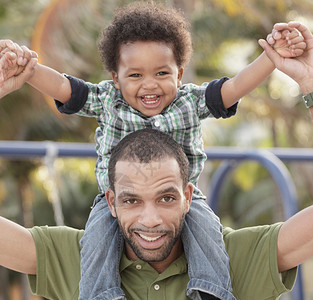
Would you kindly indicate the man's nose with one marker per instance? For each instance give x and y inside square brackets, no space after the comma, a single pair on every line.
[150,216]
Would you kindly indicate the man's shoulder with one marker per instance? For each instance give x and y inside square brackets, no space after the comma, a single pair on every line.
[249,233]
[56,233]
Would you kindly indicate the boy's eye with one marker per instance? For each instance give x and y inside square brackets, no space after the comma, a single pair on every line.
[162,73]
[134,75]
[167,199]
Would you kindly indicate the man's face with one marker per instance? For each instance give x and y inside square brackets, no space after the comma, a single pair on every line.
[147,76]
[150,204]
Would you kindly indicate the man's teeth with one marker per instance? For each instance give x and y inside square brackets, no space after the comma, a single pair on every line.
[149,239]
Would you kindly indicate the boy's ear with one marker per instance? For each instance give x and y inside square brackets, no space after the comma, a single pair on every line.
[115,80]
[110,196]
[180,76]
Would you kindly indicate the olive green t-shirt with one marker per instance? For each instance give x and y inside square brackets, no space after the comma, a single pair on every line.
[253,267]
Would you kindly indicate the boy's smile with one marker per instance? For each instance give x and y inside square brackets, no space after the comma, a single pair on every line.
[148,76]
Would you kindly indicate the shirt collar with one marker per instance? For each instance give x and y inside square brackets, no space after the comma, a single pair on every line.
[178,266]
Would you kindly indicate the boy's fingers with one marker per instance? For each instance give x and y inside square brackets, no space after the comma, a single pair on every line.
[297,52]
[293,34]
[27,55]
[34,54]
[285,33]
[302,29]
[297,43]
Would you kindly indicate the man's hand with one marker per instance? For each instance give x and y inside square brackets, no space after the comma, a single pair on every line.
[9,66]
[23,56]
[287,43]
[15,82]
[298,68]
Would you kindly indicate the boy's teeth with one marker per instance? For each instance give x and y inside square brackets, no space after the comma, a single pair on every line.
[149,239]
[150,98]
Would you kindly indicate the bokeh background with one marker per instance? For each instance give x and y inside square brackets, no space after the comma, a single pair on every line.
[225,33]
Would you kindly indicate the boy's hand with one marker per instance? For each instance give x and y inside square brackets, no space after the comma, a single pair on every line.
[9,66]
[298,68]
[287,43]
[15,82]
[23,54]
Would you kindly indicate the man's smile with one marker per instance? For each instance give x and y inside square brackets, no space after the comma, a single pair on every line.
[150,241]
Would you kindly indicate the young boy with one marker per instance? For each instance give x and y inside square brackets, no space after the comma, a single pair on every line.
[146,49]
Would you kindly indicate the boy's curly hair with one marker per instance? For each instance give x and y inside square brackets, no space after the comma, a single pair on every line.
[145,21]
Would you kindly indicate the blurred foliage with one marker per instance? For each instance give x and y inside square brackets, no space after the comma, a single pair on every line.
[225,34]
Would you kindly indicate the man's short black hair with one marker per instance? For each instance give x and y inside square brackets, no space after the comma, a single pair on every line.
[145,21]
[145,146]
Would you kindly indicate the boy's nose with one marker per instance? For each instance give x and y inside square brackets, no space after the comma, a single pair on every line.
[149,84]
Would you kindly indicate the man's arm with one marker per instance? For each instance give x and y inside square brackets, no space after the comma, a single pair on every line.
[17,248]
[295,240]
[256,72]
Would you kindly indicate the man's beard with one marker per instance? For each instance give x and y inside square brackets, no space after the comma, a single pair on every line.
[155,255]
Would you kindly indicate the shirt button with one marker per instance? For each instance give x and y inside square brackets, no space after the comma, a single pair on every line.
[138,267]
[157,124]
[156,287]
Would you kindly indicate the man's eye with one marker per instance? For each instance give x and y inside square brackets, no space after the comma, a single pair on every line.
[167,199]
[130,201]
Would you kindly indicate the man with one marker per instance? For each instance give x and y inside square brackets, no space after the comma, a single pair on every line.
[150,196]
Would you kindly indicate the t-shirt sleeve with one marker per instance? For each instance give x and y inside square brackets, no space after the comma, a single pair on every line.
[58,262]
[214,102]
[78,98]
[253,263]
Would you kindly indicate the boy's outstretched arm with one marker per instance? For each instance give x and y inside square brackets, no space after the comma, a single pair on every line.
[17,248]
[51,83]
[44,79]
[256,72]
[300,68]
[295,240]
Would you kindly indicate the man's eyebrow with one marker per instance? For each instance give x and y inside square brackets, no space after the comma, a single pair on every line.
[125,194]
[170,189]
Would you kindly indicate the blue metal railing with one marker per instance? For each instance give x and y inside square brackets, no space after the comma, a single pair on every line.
[270,158]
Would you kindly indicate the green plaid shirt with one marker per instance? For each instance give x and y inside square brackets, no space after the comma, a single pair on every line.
[116,119]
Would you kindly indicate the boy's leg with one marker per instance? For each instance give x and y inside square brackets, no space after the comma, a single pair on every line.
[208,263]
[102,247]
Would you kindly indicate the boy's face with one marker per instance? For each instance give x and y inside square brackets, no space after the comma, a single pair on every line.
[147,76]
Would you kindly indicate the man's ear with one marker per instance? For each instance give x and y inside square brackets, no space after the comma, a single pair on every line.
[180,76]
[188,195]
[115,80]
[110,196]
